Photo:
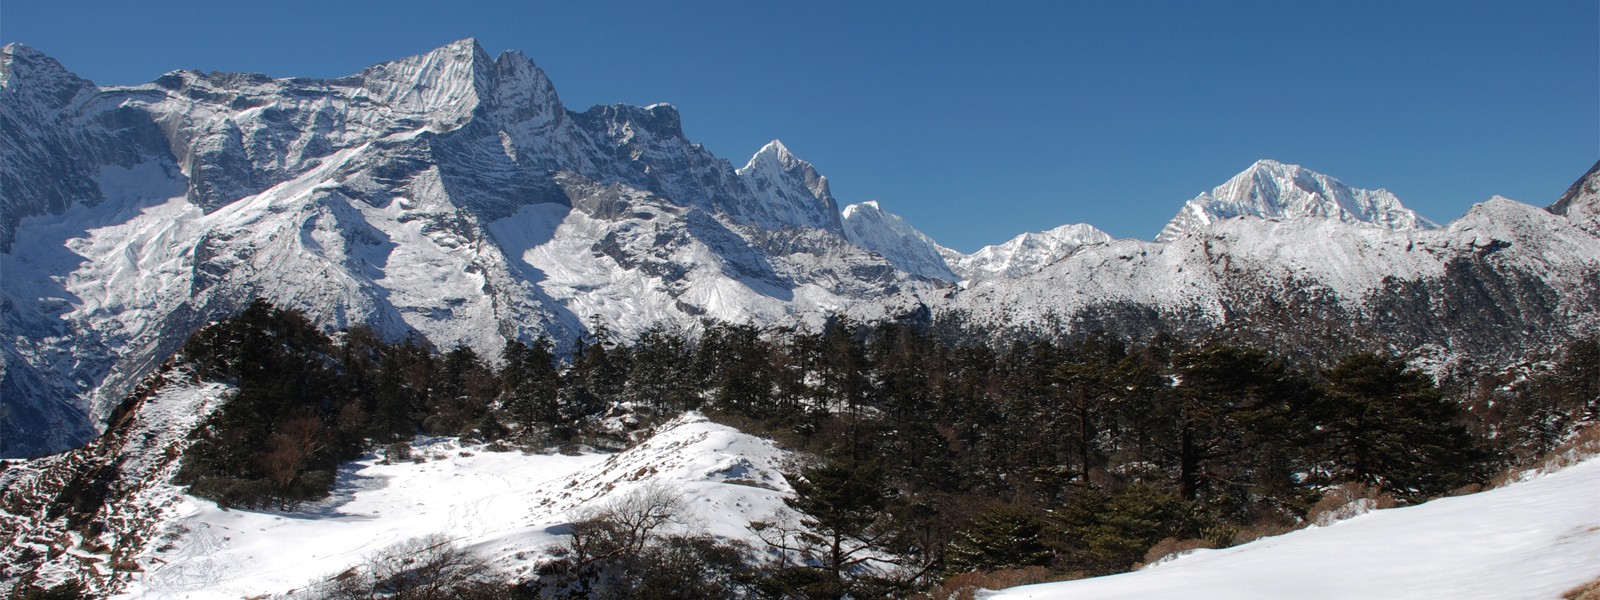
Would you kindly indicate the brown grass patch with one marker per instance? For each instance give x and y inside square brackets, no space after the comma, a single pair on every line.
[967,585]
[1587,591]
[1348,500]
[1583,444]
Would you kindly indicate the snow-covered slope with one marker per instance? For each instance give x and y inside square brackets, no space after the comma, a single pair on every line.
[1530,540]
[448,194]
[1273,190]
[507,507]
[869,226]
[1025,254]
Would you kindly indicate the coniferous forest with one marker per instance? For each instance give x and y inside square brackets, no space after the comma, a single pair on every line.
[950,459]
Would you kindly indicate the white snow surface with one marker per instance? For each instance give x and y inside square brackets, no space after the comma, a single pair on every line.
[507,506]
[1532,540]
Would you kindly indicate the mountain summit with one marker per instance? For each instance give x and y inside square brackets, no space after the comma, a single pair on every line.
[1274,190]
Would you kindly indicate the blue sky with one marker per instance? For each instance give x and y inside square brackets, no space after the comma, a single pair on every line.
[978,122]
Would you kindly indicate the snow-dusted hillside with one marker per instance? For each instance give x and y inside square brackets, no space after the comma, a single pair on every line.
[1530,540]
[86,514]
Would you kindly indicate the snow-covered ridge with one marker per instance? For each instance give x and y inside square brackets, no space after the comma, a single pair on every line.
[1025,254]
[1274,190]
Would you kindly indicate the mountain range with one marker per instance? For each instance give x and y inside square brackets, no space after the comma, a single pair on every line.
[451,196]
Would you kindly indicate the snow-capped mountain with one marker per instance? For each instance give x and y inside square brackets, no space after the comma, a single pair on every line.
[1273,190]
[448,194]
[452,195]
[1025,254]
[1505,278]
[1581,202]
[869,226]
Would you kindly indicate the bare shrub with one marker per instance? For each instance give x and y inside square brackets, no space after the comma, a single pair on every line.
[1348,500]
[423,568]
[624,549]
[1170,548]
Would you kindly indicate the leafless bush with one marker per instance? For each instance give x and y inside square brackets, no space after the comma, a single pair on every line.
[423,568]
[1348,500]
[1170,547]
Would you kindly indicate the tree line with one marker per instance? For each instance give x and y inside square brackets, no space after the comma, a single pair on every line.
[933,453]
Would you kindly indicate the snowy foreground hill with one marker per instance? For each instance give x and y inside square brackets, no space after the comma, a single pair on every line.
[1533,539]
[507,507]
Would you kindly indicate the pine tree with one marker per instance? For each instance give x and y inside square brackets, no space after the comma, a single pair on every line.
[1004,537]
[1389,426]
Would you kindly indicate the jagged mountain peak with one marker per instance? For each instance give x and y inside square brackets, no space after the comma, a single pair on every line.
[1025,254]
[777,157]
[28,76]
[444,85]
[776,175]
[1270,189]
[1581,202]
[867,225]
[860,207]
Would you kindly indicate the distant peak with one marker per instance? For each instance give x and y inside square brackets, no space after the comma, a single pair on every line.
[777,154]
[1267,163]
[1269,189]
[852,210]
[47,81]
[1582,200]
[20,49]
[776,149]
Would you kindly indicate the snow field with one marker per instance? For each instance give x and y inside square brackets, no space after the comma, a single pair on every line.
[504,505]
[1533,539]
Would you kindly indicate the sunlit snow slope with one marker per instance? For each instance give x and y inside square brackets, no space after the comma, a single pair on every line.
[1534,539]
[507,506]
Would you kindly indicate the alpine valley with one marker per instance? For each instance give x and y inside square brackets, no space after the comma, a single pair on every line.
[451,199]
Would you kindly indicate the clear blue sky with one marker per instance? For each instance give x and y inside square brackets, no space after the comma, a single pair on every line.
[978,122]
